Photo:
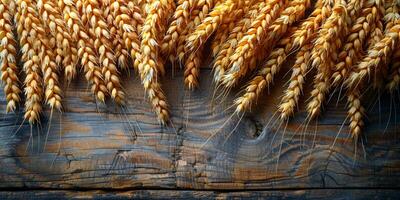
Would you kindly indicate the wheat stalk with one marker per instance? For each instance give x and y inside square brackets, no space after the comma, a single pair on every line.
[292,94]
[102,43]
[247,46]
[359,33]
[378,53]
[8,53]
[26,18]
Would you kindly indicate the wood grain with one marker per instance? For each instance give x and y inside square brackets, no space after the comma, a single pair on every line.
[103,146]
[315,194]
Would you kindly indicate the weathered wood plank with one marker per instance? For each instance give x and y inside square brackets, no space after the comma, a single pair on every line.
[99,150]
[314,194]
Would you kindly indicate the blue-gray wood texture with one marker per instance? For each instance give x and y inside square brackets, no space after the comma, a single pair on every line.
[104,147]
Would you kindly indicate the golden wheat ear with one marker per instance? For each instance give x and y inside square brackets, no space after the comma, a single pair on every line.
[292,94]
[65,48]
[192,70]
[203,31]
[360,33]
[26,18]
[198,15]
[128,20]
[151,66]
[98,28]
[75,23]
[8,53]
[310,26]
[355,112]
[243,15]
[223,50]
[380,51]
[181,17]
[248,45]
[303,39]
[292,13]
[112,10]
[51,21]
[325,52]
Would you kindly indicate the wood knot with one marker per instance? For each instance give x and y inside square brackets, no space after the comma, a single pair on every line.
[255,128]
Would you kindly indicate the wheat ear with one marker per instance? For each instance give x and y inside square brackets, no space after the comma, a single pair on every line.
[235,33]
[27,18]
[266,75]
[111,9]
[99,29]
[52,22]
[294,11]
[355,113]
[223,31]
[193,61]
[75,20]
[303,39]
[50,73]
[324,54]
[299,70]
[203,31]
[192,69]
[247,10]
[383,72]
[327,39]
[181,18]
[221,36]
[359,33]
[379,52]
[313,23]
[131,22]
[8,53]
[149,67]
[247,46]
[66,51]
[197,17]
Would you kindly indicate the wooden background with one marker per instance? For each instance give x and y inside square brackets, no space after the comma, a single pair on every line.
[102,151]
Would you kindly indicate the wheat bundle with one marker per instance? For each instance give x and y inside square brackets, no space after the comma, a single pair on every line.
[348,44]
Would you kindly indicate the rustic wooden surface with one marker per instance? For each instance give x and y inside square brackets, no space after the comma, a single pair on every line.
[315,194]
[95,148]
